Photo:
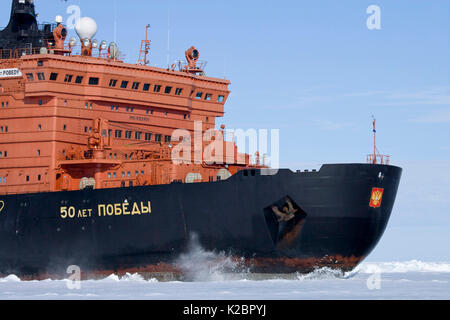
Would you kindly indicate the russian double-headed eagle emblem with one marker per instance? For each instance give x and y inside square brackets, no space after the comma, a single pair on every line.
[375,199]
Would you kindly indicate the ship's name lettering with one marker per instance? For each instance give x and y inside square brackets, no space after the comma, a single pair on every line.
[139,118]
[107,210]
[6,73]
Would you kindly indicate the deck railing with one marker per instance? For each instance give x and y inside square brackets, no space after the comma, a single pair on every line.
[378,159]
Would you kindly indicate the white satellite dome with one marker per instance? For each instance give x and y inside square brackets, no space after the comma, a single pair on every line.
[86,28]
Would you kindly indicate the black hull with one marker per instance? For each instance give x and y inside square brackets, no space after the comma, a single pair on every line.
[334,225]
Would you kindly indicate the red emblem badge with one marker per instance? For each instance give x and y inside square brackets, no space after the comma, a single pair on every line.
[375,199]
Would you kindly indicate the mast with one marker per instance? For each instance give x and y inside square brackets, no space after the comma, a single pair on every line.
[374,140]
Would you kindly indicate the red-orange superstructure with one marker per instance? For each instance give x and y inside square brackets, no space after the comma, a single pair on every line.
[72,121]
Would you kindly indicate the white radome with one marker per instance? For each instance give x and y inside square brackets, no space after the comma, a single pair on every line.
[86,28]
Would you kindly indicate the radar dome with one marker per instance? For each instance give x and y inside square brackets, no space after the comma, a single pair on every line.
[86,28]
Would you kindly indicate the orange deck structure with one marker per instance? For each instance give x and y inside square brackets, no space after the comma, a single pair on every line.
[74,121]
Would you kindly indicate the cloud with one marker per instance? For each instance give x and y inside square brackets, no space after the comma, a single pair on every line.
[328,125]
[438,116]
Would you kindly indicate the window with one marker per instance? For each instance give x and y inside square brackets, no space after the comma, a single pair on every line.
[112,83]
[53,76]
[39,177]
[138,135]
[168,90]
[41,102]
[157,88]
[68,78]
[112,108]
[30,77]
[167,138]
[136,172]
[118,134]
[220,99]
[93,81]
[146,87]
[128,134]
[178,91]
[28,178]
[207,119]
[115,174]
[41,76]
[64,127]
[109,175]
[79,79]
[199,95]
[148,137]
[157,137]
[135,85]
[124,84]
[208,97]
[39,127]
[39,153]
[40,63]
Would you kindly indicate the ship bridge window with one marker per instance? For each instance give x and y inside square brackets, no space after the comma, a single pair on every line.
[168,90]
[112,83]
[79,79]
[30,77]
[220,99]
[138,135]
[124,84]
[208,97]
[41,76]
[146,87]
[68,78]
[199,95]
[93,81]
[53,76]
[178,91]
[135,85]
[157,88]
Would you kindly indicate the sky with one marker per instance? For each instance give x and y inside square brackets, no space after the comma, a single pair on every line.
[314,70]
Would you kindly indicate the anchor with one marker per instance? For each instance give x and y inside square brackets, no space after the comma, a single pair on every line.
[288,212]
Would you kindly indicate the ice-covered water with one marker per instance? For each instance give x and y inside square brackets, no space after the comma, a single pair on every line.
[215,276]
[388,280]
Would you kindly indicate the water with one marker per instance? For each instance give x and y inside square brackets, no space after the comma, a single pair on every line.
[215,276]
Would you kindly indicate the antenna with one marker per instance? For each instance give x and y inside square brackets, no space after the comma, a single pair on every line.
[115,21]
[145,48]
[374,140]
[376,157]
[168,37]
